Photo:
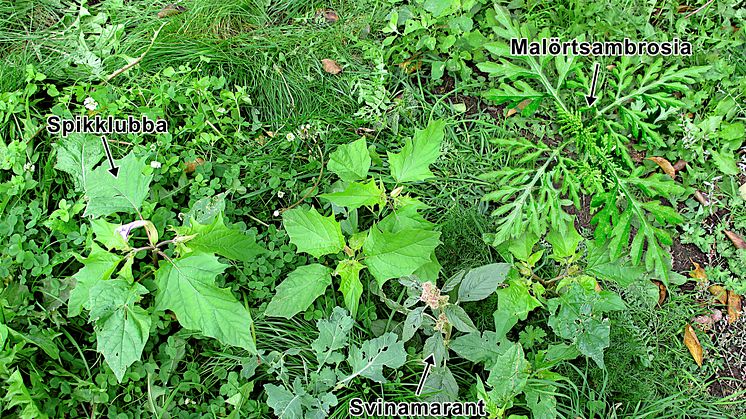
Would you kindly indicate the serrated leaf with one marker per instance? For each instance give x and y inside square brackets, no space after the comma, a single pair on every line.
[459,319]
[564,241]
[122,328]
[313,233]
[349,283]
[285,404]
[393,255]
[476,347]
[357,195]
[412,163]
[333,335]
[516,300]
[217,238]
[412,323]
[187,287]
[368,360]
[299,290]
[350,161]
[440,385]
[106,234]
[107,195]
[77,155]
[509,374]
[479,283]
[98,266]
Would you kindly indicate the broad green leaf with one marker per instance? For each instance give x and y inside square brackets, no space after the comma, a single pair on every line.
[369,360]
[77,155]
[543,404]
[406,216]
[98,266]
[436,345]
[564,241]
[122,328]
[509,375]
[393,255]
[350,161]
[725,162]
[285,404]
[516,300]
[459,319]
[206,209]
[187,287]
[333,335]
[477,348]
[313,233]
[357,195]
[106,234]
[480,282]
[299,290]
[349,283]
[412,323]
[412,163]
[576,315]
[429,271]
[217,238]
[440,385]
[107,194]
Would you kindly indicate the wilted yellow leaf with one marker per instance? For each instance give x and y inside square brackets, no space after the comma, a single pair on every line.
[734,307]
[665,165]
[331,66]
[698,272]
[662,292]
[719,292]
[692,343]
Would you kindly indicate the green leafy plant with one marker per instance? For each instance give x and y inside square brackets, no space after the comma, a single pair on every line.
[595,160]
[399,241]
[184,268]
[313,395]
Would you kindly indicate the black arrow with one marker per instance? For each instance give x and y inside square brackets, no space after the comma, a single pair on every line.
[114,170]
[429,362]
[591,98]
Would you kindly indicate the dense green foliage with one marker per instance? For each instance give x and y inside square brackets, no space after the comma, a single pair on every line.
[309,231]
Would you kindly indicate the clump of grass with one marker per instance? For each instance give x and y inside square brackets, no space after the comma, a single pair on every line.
[461,233]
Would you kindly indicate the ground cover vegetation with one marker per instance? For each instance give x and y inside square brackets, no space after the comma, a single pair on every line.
[354,195]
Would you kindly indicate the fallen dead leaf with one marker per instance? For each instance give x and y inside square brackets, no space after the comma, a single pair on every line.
[611,67]
[736,239]
[698,272]
[191,166]
[679,165]
[329,15]
[742,191]
[701,198]
[410,66]
[720,293]
[331,66]
[662,292]
[519,107]
[692,343]
[734,307]
[665,165]
[171,10]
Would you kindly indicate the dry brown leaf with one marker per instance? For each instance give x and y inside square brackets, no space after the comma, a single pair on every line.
[736,239]
[665,165]
[410,66]
[692,343]
[171,10]
[329,15]
[679,165]
[734,307]
[331,66]
[701,198]
[518,107]
[720,293]
[611,67]
[191,166]
[511,112]
[698,272]
[662,292]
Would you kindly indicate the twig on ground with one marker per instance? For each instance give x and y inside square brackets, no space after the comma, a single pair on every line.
[138,59]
